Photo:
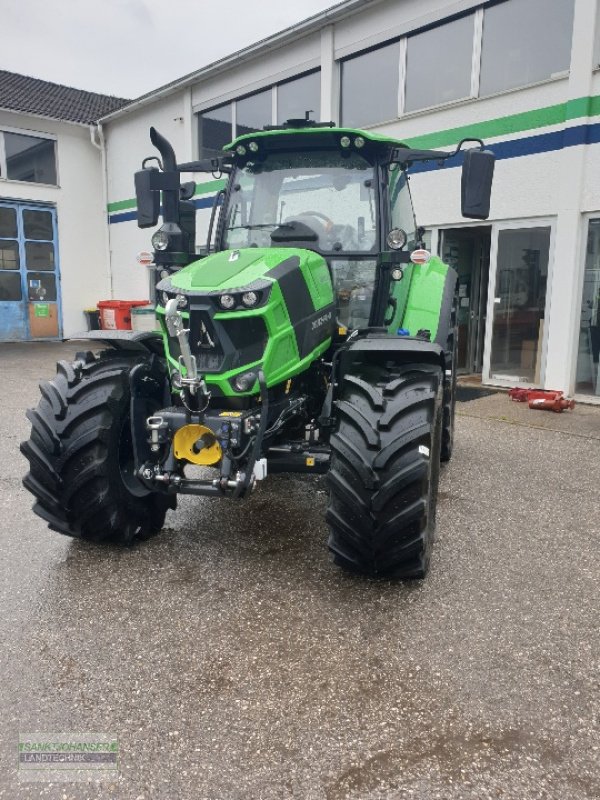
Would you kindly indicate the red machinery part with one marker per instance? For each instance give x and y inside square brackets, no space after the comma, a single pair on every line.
[542,399]
[558,404]
[525,395]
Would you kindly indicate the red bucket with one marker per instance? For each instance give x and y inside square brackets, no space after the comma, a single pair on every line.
[115,315]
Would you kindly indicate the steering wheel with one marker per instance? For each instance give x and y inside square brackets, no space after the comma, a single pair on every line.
[328,222]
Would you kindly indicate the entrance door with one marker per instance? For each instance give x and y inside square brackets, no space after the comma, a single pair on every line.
[467,250]
[29,280]
[517,306]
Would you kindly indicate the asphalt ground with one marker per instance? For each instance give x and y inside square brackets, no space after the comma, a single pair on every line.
[232,659]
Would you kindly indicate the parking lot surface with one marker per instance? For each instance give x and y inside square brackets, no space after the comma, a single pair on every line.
[232,659]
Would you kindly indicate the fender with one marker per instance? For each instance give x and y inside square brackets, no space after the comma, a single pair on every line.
[430,298]
[375,345]
[141,341]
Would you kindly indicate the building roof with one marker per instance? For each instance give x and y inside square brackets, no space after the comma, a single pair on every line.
[45,99]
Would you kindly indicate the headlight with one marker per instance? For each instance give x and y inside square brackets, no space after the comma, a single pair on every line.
[240,150]
[227,301]
[359,142]
[249,299]
[396,238]
[253,147]
[244,382]
[160,240]
[345,141]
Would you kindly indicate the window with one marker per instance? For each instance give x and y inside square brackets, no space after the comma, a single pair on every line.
[524,41]
[295,98]
[588,360]
[519,304]
[254,112]
[438,64]
[401,207]
[28,158]
[370,87]
[214,128]
[314,192]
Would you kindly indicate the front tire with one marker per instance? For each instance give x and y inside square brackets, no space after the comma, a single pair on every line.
[80,451]
[449,412]
[385,462]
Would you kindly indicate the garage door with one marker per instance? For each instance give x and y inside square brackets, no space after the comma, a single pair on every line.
[29,276]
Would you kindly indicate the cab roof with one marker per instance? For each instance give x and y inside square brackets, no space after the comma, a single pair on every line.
[330,135]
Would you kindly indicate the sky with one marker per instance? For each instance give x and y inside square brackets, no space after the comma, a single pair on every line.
[128,47]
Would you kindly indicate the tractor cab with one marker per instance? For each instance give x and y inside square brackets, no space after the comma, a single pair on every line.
[333,192]
[339,192]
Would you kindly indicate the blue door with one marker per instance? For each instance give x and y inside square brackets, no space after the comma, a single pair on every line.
[29,275]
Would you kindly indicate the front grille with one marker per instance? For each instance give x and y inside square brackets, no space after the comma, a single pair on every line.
[204,342]
[248,337]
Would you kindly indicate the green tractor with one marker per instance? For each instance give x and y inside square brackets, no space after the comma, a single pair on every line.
[313,334]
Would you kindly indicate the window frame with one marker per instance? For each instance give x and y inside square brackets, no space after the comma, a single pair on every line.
[555,76]
[233,101]
[478,13]
[33,135]
[401,41]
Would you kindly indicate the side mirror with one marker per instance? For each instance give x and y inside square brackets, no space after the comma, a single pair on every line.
[476,183]
[148,198]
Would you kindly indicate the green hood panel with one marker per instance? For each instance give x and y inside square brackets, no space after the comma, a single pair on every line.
[235,269]
[230,269]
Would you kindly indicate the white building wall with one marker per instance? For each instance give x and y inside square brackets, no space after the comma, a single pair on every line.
[127,144]
[560,185]
[81,217]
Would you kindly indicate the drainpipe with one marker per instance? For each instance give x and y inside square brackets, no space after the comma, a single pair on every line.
[99,142]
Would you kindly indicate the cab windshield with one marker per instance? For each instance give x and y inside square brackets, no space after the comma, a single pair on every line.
[326,198]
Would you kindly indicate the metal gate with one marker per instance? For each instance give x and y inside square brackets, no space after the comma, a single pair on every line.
[29,273]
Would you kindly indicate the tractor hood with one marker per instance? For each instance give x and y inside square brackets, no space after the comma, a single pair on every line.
[232,269]
[255,308]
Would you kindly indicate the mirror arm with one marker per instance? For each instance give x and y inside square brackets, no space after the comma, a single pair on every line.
[405,159]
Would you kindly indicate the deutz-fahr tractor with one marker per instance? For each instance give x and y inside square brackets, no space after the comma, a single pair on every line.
[313,333]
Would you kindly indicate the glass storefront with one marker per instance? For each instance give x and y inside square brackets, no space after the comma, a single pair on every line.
[519,304]
[587,379]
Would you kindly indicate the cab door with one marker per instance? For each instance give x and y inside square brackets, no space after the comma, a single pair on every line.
[29,273]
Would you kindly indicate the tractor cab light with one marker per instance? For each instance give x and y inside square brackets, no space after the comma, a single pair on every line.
[145,258]
[396,238]
[420,256]
[160,240]
[397,274]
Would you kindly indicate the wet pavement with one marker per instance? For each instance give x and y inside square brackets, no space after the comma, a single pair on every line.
[232,659]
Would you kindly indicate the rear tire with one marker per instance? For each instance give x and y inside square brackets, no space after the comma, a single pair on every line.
[80,452]
[385,462]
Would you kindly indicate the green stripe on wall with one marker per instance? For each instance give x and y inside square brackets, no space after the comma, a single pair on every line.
[201,188]
[490,129]
[514,123]
[121,205]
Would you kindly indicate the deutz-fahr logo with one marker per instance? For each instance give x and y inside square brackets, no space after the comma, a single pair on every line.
[322,320]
